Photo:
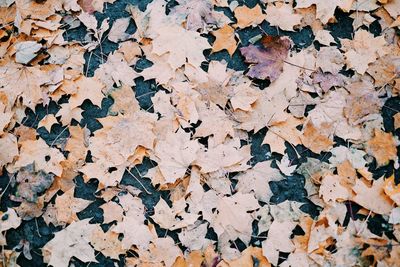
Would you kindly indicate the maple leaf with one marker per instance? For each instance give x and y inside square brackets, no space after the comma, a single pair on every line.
[121,136]
[9,220]
[214,122]
[173,218]
[383,147]
[17,80]
[194,237]
[112,212]
[281,132]
[198,15]
[392,190]
[26,51]
[133,219]
[8,149]
[116,71]
[107,243]
[32,183]
[278,240]
[332,190]
[325,9]
[276,12]
[268,59]
[43,157]
[226,156]
[175,154]
[67,206]
[233,217]
[329,59]
[191,46]
[382,204]
[47,122]
[162,252]
[72,241]
[314,140]
[248,16]
[362,50]
[117,32]
[224,39]
[257,180]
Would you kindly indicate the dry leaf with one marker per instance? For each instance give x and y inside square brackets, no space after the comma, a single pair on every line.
[67,206]
[175,155]
[248,16]
[107,243]
[224,39]
[117,32]
[26,51]
[382,204]
[32,182]
[383,147]
[43,157]
[72,241]
[268,59]
[362,50]
[48,121]
[276,13]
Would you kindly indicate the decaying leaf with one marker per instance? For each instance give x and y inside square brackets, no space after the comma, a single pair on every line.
[32,182]
[268,59]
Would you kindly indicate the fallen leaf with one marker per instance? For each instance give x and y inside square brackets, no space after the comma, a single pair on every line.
[285,166]
[332,190]
[9,220]
[276,12]
[248,16]
[107,243]
[314,140]
[175,155]
[392,189]
[8,149]
[26,51]
[37,152]
[268,59]
[72,241]
[117,32]
[383,147]
[32,182]
[68,206]
[278,240]
[48,121]
[191,46]
[362,50]
[382,204]
[224,39]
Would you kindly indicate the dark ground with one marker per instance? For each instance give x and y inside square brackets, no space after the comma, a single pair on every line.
[292,188]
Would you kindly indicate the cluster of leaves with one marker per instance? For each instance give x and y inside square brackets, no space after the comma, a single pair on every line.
[320,108]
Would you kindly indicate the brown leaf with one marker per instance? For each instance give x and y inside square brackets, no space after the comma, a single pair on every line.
[381,203]
[225,39]
[383,147]
[32,182]
[314,140]
[268,59]
[248,16]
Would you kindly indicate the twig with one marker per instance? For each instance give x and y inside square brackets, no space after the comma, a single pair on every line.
[138,181]
[58,136]
[37,228]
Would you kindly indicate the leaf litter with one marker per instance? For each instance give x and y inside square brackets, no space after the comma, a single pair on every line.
[327,113]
